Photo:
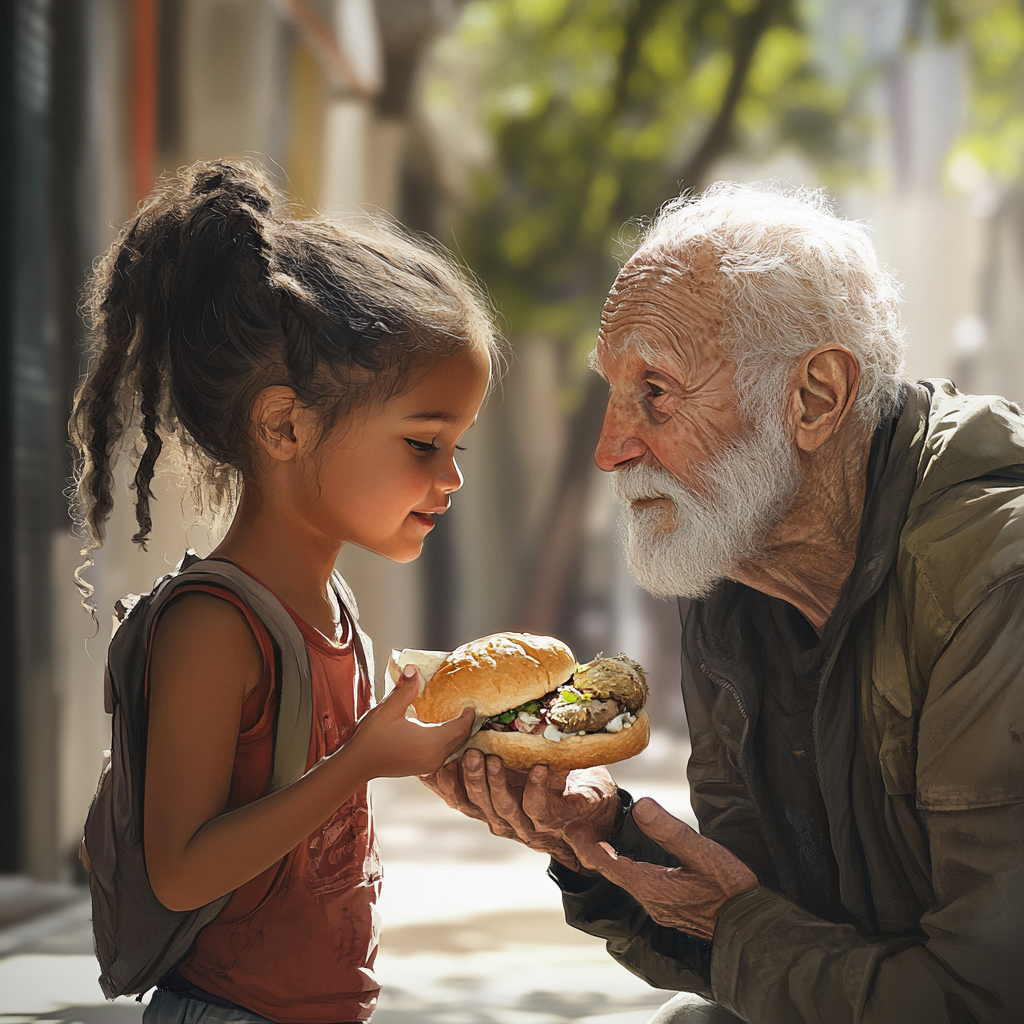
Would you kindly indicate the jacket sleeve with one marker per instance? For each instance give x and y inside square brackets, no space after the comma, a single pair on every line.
[772,961]
[663,957]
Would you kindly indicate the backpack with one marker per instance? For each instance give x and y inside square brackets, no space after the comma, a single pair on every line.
[137,939]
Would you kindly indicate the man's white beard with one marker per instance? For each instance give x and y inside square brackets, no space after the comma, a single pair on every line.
[704,538]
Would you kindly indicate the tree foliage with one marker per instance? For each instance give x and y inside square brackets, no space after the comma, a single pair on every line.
[993,31]
[598,110]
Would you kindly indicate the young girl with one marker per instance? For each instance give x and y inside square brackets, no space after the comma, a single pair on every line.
[321,379]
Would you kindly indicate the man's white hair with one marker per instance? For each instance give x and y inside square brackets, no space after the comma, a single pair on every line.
[794,276]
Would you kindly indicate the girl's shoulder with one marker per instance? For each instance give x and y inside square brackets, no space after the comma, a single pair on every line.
[208,632]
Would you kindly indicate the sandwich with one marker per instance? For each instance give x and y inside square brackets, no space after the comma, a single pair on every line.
[534,704]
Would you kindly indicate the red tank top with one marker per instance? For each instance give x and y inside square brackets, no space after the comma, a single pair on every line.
[297,943]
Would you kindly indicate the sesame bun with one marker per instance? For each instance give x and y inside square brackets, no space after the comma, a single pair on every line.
[493,674]
[521,751]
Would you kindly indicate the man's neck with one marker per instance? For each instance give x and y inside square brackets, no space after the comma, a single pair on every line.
[809,556]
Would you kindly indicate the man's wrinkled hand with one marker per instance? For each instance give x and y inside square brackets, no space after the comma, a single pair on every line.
[447,782]
[538,806]
[689,897]
[531,808]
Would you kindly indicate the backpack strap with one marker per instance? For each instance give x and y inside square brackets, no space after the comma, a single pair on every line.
[294,719]
[364,646]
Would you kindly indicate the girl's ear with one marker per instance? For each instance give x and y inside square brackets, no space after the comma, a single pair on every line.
[278,423]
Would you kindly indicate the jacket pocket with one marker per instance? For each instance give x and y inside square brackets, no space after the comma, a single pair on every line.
[897,754]
[896,722]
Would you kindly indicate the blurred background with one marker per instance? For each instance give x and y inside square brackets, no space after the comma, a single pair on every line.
[530,137]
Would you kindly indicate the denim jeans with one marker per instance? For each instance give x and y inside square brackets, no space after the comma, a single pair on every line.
[687,1008]
[169,1008]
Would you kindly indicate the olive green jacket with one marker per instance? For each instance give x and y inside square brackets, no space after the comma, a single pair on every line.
[918,742]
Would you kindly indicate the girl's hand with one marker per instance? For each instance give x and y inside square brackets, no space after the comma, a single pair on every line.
[386,744]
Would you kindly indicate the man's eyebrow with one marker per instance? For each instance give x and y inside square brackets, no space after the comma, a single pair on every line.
[593,364]
[443,416]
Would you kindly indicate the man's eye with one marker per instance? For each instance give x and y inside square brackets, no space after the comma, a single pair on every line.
[421,446]
[654,390]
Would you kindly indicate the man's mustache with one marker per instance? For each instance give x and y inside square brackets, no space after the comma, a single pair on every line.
[640,483]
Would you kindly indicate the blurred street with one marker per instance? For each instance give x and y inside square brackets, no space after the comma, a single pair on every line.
[473,929]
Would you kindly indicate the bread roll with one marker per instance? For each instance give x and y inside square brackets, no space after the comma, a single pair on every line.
[500,672]
[521,751]
[493,674]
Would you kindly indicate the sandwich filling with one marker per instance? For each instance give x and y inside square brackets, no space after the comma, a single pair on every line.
[601,696]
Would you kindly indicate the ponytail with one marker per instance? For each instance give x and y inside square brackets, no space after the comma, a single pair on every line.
[183,233]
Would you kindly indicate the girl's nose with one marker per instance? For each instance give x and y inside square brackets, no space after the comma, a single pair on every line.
[451,478]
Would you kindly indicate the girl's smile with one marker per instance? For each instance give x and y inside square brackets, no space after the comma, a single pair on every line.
[426,518]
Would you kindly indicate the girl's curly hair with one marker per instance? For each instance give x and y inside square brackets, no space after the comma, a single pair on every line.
[212,293]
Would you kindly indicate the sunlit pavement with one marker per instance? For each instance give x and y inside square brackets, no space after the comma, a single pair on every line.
[473,929]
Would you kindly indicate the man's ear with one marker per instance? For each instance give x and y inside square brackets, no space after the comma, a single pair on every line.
[277,422]
[822,392]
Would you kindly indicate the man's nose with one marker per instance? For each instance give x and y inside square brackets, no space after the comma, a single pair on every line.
[618,442]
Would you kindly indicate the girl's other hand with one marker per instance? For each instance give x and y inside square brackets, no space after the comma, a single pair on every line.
[388,745]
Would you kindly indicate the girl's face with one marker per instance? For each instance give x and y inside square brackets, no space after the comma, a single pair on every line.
[386,471]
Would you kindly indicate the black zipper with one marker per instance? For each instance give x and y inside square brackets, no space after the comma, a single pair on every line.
[732,688]
[728,684]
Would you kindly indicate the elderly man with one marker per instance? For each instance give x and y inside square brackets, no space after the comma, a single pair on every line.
[852,545]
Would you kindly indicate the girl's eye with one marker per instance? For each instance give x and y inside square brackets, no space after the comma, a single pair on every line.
[421,446]
[459,448]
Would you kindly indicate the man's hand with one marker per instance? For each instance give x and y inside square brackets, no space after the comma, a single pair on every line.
[689,897]
[531,808]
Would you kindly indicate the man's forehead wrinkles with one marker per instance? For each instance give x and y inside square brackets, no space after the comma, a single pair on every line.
[635,356]
[652,327]
[639,312]
[660,272]
[667,316]
[671,291]
[641,284]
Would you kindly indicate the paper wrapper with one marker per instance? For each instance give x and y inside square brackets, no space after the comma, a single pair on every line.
[428,663]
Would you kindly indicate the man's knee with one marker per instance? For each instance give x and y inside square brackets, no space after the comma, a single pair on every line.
[687,1008]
